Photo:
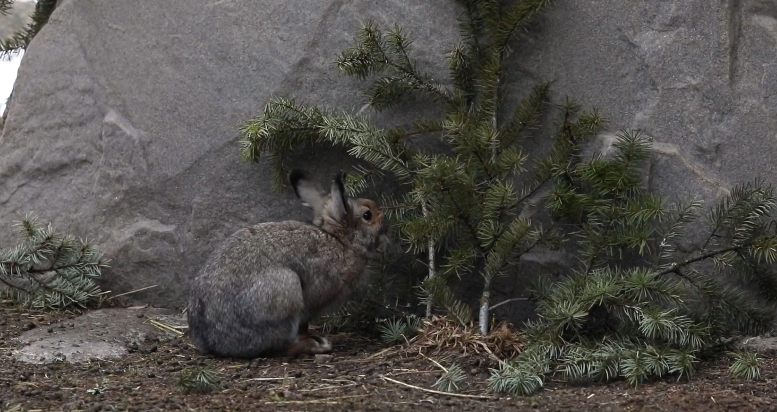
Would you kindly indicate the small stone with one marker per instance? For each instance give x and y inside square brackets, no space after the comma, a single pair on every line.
[473,371]
[28,326]
[287,394]
[140,315]
[149,350]
[50,330]
[323,358]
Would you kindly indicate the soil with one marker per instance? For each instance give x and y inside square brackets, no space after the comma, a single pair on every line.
[353,378]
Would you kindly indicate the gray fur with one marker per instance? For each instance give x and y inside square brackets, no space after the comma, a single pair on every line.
[264,281]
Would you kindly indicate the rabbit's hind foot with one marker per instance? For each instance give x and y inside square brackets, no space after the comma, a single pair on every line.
[309,345]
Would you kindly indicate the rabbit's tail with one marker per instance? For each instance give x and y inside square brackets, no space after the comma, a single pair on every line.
[245,326]
[198,325]
[267,337]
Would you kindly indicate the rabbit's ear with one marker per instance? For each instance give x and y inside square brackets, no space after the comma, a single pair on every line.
[339,205]
[308,191]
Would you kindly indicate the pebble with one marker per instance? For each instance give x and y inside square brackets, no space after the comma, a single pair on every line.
[323,358]
[149,350]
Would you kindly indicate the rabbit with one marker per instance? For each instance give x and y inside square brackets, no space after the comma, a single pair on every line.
[258,290]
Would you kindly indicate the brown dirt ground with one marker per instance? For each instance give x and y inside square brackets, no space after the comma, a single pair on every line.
[146,380]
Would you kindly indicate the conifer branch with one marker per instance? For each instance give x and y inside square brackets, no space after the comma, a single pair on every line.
[50,270]
[5,7]
[674,268]
[504,302]
[465,219]
[19,41]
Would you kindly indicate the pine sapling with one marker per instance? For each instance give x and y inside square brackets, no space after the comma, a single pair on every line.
[461,209]
[637,307]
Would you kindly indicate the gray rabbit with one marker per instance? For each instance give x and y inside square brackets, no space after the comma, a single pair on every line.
[259,288]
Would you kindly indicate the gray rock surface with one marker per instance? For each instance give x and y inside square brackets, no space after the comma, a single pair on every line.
[98,334]
[124,123]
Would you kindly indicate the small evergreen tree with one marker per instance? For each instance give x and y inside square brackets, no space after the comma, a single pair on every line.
[465,203]
[636,307]
[50,270]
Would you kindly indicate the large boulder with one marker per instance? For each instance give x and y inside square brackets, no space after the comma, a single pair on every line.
[124,123]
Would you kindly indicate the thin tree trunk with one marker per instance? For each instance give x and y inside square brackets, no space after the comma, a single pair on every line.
[432,270]
[483,314]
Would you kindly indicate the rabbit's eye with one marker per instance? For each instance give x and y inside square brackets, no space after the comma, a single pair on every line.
[367,215]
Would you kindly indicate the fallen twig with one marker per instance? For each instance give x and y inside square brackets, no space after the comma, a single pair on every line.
[491,354]
[460,395]
[337,380]
[268,379]
[132,291]
[434,362]
[373,356]
[328,401]
[412,372]
[328,387]
[168,328]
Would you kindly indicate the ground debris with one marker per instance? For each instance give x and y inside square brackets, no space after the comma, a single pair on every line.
[362,375]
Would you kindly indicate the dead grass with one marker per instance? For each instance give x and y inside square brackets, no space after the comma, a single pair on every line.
[441,335]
